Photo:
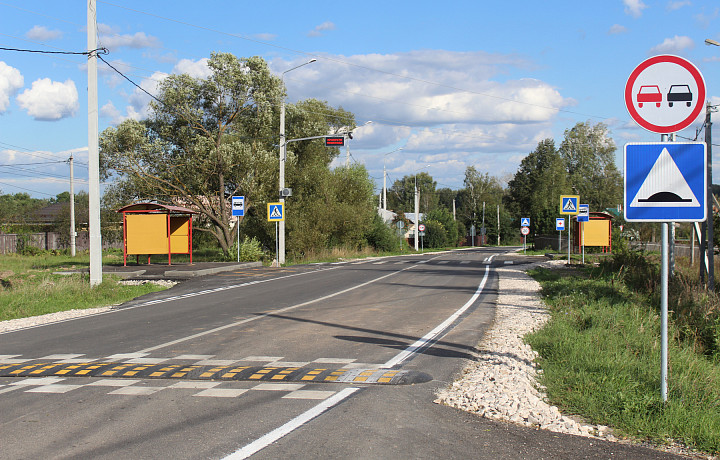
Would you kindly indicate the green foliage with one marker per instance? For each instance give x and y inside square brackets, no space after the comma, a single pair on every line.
[589,155]
[600,356]
[436,236]
[381,236]
[535,189]
[449,226]
[250,251]
[401,196]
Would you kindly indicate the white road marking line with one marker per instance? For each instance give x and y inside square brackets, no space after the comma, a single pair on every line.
[221,393]
[273,312]
[431,336]
[290,426]
[508,262]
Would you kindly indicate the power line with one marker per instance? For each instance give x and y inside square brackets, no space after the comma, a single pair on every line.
[87,53]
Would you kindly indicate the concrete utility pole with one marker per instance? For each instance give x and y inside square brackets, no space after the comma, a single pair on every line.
[72,208]
[417,214]
[709,109]
[93,149]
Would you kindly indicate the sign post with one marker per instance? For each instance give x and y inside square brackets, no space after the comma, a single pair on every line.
[276,213]
[664,94]
[582,217]
[569,206]
[238,210]
[560,226]
[524,231]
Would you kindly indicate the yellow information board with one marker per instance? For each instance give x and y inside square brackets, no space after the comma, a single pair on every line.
[597,232]
[146,234]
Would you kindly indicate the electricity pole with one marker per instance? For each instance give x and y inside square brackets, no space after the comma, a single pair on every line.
[72,208]
[95,241]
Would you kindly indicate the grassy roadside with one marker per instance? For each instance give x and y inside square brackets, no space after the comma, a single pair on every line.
[28,286]
[600,354]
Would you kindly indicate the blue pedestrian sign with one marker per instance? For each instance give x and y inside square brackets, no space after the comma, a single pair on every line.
[276,212]
[560,224]
[238,206]
[665,182]
[525,222]
[569,204]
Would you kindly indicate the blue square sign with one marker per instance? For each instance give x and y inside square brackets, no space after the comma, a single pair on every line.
[238,206]
[665,182]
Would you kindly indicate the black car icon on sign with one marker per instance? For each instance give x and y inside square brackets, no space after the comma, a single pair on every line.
[679,93]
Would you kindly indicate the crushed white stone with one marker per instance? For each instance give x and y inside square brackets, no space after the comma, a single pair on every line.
[501,384]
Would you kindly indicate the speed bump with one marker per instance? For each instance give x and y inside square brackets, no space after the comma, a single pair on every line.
[196,372]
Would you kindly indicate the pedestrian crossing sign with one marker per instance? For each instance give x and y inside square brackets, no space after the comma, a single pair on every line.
[569,204]
[276,212]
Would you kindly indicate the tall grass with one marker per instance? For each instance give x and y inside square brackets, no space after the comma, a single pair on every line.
[600,351]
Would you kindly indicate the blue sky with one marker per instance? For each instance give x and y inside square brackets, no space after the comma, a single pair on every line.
[457,84]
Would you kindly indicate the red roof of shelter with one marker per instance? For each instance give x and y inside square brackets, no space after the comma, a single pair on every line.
[156,207]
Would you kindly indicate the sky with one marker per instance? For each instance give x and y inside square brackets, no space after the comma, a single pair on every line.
[454,84]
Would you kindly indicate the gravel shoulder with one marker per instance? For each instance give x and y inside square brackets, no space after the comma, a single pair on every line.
[501,384]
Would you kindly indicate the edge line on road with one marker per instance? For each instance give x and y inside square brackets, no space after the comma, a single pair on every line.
[291,426]
[274,312]
[432,336]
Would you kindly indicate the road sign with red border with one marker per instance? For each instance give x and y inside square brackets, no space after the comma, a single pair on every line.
[421,227]
[665,94]
[525,230]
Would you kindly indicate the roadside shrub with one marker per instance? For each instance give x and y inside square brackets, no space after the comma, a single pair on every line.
[435,234]
[381,237]
[250,250]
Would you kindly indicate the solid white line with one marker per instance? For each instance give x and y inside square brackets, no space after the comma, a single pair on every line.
[290,426]
[273,312]
[435,333]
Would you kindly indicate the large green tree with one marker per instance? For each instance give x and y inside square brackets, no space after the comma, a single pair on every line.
[535,189]
[589,155]
[207,139]
[401,196]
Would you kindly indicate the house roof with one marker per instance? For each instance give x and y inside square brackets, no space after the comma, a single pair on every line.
[51,213]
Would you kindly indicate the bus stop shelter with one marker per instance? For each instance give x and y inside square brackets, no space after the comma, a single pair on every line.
[152,228]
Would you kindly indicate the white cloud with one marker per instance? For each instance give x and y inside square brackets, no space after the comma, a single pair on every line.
[49,100]
[617,29]
[11,80]
[676,5]
[136,41]
[42,33]
[427,88]
[676,44]
[318,30]
[196,69]
[634,7]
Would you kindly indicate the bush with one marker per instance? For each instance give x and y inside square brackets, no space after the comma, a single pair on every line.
[435,234]
[250,250]
[381,236]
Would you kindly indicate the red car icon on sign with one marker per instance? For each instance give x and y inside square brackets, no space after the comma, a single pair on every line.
[649,94]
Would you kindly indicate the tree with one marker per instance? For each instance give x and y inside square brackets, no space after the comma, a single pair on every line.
[589,155]
[535,189]
[480,188]
[207,139]
[401,196]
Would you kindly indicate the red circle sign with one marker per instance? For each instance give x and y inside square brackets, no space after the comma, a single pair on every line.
[525,230]
[665,94]
[421,227]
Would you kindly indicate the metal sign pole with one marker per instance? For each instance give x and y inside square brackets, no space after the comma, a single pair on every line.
[665,272]
[582,231]
[569,225]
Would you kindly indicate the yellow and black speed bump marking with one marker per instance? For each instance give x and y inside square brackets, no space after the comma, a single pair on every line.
[192,372]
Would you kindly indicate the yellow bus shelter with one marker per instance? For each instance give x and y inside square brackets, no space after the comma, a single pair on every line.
[151,228]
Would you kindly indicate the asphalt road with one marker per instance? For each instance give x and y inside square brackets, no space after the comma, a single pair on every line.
[316,361]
